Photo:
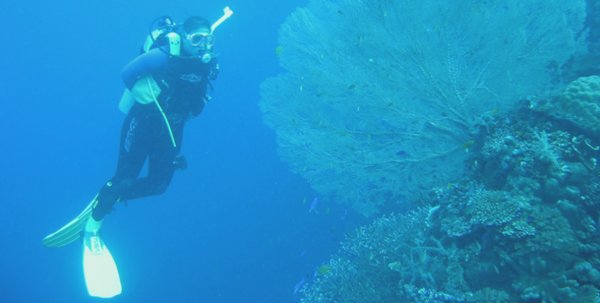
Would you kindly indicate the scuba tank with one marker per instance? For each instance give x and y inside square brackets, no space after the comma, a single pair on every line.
[161,32]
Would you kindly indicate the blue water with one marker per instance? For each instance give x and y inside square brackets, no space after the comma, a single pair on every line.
[233,227]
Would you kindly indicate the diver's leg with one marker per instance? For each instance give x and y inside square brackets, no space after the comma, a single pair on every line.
[161,169]
[133,151]
[162,164]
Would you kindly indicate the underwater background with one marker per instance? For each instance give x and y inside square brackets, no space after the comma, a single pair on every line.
[319,172]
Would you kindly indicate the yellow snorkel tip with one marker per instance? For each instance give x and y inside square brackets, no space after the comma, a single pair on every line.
[227,12]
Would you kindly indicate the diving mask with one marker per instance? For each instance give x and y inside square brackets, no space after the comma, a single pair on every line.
[204,40]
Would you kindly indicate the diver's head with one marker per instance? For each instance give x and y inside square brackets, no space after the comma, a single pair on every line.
[197,36]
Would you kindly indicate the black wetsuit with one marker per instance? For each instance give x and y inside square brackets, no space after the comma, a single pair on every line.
[145,135]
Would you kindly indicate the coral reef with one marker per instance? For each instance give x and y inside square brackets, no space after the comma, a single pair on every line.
[521,226]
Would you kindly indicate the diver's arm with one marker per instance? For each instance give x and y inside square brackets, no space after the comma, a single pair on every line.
[143,65]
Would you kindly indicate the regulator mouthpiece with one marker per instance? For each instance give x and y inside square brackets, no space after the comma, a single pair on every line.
[206,57]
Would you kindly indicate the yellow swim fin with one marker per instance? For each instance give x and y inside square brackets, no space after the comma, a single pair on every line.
[71,231]
[99,268]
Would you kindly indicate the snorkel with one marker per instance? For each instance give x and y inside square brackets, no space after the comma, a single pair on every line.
[227,12]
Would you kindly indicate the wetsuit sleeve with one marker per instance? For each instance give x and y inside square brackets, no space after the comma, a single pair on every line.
[143,65]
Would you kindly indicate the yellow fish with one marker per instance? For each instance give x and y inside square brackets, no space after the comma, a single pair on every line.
[278,50]
[324,269]
[468,143]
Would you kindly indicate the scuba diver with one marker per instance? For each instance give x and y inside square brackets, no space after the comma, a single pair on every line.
[169,86]
[169,90]
[166,86]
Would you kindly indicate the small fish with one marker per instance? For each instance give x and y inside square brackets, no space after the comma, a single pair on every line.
[468,144]
[299,285]
[530,219]
[324,269]
[402,154]
[313,205]
[344,215]
[278,51]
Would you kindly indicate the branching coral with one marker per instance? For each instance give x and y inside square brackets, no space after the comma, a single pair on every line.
[493,208]
[375,258]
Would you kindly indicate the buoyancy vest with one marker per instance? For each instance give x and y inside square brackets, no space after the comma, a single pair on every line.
[184,84]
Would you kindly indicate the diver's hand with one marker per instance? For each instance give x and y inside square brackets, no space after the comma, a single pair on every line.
[180,163]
